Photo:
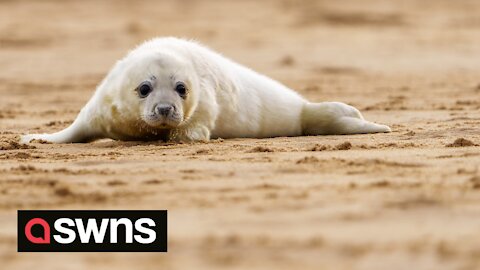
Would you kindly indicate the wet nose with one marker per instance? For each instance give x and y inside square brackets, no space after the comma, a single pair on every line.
[163,109]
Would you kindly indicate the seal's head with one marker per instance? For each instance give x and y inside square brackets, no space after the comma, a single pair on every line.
[160,88]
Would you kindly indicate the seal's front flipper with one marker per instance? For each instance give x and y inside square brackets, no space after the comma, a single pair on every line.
[75,133]
[332,118]
[197,133]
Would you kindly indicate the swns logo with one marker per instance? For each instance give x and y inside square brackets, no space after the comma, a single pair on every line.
[92,231]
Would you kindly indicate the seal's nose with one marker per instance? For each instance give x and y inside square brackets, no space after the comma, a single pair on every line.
[163,109]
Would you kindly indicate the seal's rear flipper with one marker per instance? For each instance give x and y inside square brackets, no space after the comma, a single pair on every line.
[75,133]
[350,125]
[336,118]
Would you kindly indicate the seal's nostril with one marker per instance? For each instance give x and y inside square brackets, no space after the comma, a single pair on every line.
[163,110]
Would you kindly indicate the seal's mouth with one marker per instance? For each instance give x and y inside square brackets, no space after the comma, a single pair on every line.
[162,122]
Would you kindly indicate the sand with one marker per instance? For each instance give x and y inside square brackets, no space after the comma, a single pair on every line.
[405,200]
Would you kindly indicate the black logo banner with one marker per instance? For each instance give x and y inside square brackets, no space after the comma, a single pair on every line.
[92,231]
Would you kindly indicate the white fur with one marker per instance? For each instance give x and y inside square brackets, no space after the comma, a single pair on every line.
[227,100]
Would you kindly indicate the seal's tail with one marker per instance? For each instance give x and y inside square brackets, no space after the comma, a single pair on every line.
[332,118]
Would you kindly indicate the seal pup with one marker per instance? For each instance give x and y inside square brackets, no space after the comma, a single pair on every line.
[178,90]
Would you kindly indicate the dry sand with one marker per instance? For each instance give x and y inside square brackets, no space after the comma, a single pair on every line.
[405,200]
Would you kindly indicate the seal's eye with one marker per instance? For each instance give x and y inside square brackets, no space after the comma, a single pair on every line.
[144,89]
[181,89]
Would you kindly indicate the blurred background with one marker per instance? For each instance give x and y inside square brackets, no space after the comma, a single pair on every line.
[300,42]
[393,201]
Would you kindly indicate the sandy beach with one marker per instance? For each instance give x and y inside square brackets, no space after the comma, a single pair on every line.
[409,199]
